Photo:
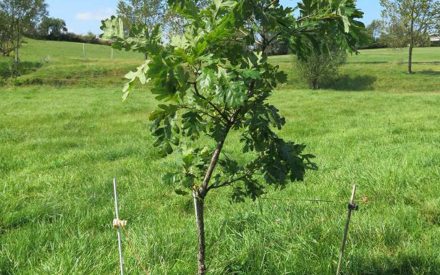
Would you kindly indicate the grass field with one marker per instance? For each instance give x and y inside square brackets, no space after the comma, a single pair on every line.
[63,64]
[62,143]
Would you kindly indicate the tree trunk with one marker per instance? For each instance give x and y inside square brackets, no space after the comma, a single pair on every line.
[17,45]
[16,58]
[199,204]
[315,84]
[411,42]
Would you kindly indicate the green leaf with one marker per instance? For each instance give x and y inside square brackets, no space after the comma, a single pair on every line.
[139,74]
[112,28]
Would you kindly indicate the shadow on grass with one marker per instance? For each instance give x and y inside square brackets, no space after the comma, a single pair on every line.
[7,69]
[368,62]
[351,83]
[421,62]
[429,72]
[402,264]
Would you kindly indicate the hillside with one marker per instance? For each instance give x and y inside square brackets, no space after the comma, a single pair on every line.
[63,63]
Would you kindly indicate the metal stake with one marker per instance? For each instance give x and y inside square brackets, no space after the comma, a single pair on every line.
[118,224]
[351,206]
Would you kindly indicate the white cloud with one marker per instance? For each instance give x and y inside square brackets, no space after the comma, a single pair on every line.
[95,15]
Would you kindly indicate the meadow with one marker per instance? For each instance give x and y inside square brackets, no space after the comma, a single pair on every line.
[63,140]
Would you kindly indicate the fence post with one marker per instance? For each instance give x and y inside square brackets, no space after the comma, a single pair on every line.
[118,224]
[84,51]
[351,207]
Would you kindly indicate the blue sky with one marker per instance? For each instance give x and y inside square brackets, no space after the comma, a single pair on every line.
[82,16]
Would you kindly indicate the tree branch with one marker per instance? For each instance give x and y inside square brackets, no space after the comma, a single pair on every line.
[227,183]
[204,188]
[196,92]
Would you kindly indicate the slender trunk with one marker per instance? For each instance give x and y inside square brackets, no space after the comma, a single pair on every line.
[411,42]
[199,204]
[17,44]
[199,195]
[16,58]
[314,84]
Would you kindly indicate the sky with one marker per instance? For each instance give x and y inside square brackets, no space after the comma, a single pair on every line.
[82,16]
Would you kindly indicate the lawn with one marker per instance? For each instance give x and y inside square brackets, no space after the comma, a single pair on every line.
[61,145]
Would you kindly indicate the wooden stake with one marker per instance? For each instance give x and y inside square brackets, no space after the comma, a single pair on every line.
[351,206]
[84,50]
[118,224]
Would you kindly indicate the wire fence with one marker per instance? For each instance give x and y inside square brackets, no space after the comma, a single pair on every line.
[120,225]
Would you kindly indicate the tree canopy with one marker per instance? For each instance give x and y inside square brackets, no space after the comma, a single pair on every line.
[52,27]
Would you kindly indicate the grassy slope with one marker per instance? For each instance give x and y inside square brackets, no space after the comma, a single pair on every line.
[59,149]
[63,63]
[380,70]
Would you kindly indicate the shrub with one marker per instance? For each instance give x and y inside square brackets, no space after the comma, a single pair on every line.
[321,67]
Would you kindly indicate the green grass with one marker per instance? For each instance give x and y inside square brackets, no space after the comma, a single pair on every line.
[379,70]
[60,147]
[63,64]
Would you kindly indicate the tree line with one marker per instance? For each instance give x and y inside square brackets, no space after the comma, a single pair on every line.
[404,23]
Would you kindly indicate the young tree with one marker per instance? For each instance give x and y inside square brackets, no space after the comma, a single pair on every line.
[322,65]
[409,22]
[22,15]
[215,79]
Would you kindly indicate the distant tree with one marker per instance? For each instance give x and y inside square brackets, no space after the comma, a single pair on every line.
[409,22]
[374,29]
[22,15]
[152,12]
[6,46]
[372,37]
[52,27]
[145,12]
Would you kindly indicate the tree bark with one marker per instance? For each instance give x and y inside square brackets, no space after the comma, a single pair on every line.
[199,204]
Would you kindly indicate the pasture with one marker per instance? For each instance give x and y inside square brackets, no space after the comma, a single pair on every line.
[63,140]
